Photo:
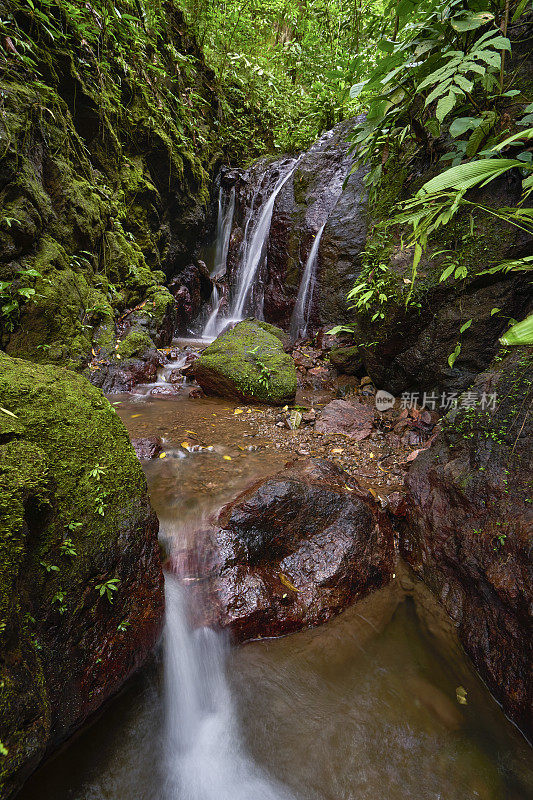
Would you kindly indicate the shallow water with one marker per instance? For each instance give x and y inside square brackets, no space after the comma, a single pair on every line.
[362,708]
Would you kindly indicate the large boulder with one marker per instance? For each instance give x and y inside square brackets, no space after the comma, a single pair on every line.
[248,362]
[290,552]
[81,585]
[468,529]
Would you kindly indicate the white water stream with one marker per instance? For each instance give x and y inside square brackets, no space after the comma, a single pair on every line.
[304,300]
[205,756]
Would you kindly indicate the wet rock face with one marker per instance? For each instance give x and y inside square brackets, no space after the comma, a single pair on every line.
[411,347]
[248,362]
[294,550]
[313,195]
[468,529]
[81,586]
[190,288]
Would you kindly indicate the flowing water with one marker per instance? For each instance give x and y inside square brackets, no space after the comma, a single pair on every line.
[361,708]
[304,300]
[226,210]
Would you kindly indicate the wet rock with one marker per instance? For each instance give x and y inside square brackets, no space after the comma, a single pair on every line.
[347,360]
[247,363]
[467,528]
[147,447]
[354,419]
[115,377]
[276,568]
[192,287]
[66,646]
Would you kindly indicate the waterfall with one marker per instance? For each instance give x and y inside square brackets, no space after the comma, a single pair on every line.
[255,249]
[205,757]
[224,226]
[304,300]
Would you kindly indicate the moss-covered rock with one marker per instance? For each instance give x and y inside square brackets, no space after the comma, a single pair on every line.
[347,359]
[248,363]
[75,515]
[136,343]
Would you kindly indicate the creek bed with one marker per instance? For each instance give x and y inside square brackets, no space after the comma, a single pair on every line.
[368,706]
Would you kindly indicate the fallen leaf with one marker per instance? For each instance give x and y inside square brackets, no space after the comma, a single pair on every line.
[226,458]
[461,694]
[348,488]
[337,451]
[237,411]
[135,415]
[286,582]
[185,445]
[9,413]
[162,455]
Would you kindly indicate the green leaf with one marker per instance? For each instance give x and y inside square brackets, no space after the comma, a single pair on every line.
[494,311]
[464,83]
[463,124]
[452,358]
[471,22]
[519,334]
[445,105]
[527,134]
[465,327]
[465,176]
[447,272]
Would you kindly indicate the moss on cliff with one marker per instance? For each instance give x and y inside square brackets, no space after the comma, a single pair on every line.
[107,133]
[75,513]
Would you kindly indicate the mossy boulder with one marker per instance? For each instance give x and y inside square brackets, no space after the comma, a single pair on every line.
[347,359]
[81,598]
[248,363]
[135,343]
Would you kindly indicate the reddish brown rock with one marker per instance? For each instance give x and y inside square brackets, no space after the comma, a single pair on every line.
[354,419]
[147,447]
[468,529]
[291,552]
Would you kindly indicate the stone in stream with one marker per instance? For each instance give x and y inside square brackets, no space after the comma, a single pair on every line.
[248,362]
[350,418]
[81,585]
[291,552]
[147,447]
[467,528]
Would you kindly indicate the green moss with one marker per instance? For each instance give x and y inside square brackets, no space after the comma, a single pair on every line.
[249,363]
[63,428]
[135,344]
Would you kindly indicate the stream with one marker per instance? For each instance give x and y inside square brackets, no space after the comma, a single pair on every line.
[363,707]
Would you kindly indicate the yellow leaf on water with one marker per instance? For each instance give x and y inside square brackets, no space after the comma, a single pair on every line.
[337,451]
[461,693]
[371,455]
[185,445]
[286,582]
[348,488]
[162,455]
[226,458]
[249,411]
[135,415]
[238,411]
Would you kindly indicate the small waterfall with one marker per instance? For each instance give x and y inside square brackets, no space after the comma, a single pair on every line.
[205,757]
[304,300]
[256,249]
[224,225]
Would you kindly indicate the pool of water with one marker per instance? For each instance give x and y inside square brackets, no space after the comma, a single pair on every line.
[378,703]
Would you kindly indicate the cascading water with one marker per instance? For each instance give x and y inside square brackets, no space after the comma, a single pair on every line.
[256,249]
[205,757]
[224,225]
[304,300]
